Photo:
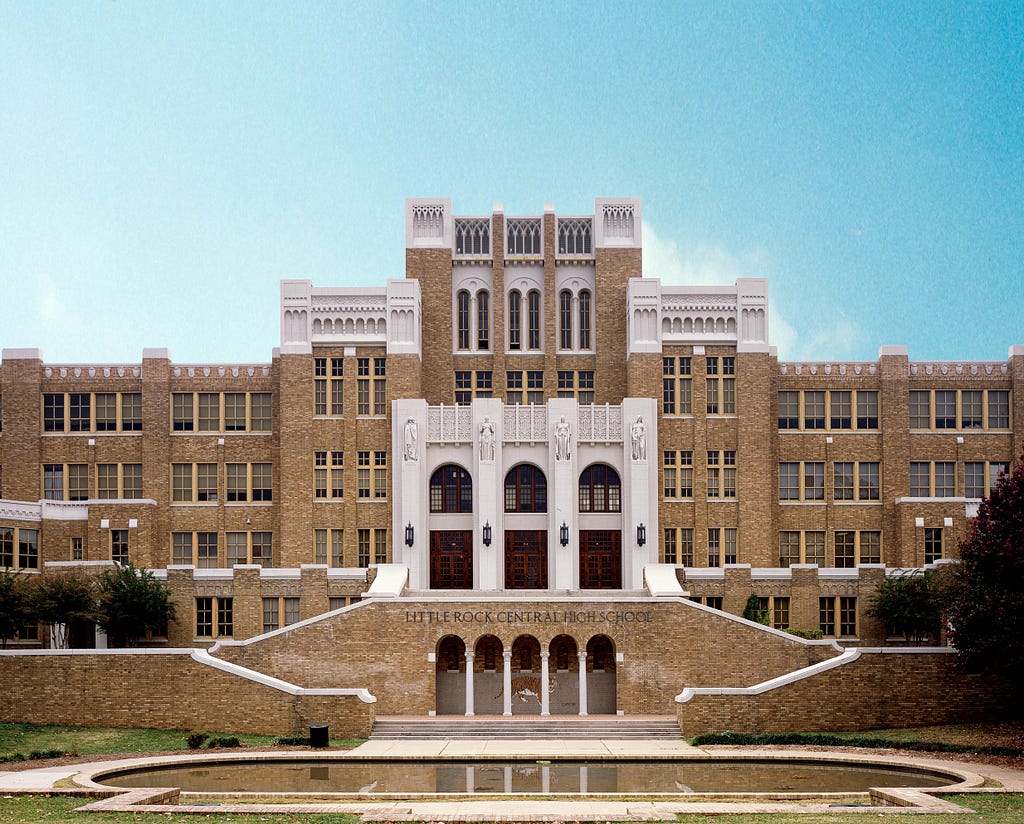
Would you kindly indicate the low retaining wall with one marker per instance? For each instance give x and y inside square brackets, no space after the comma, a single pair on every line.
[169,689]
[862,689]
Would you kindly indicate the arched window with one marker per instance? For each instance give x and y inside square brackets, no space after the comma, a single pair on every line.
[565,319]
[515,308]
[526,490]
[451,490]
[600,489]
[462,319]
[483,320]
[585,319]
[533,320]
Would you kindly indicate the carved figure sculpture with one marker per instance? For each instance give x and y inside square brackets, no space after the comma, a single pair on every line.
[562,436]
[638,431]
[487,439]
[410,440]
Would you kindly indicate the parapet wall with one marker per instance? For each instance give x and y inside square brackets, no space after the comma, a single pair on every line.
[169,689]
[871,689]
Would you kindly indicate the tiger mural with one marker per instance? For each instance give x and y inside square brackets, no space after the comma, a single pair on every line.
[526,686]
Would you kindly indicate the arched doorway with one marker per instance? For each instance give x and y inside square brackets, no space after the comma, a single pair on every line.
[488,672]
[450,676]
[525,677]
[564,675]
[601,697]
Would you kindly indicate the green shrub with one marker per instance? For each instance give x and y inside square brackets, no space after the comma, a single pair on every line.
[810,634]
[824,739]
[196,739]
[292,741]
[228,741]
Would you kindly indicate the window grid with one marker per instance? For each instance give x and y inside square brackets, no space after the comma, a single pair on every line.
[959,409]
[677,386]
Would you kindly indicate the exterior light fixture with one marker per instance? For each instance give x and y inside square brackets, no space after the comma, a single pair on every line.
[487,534]
[563,534]
[641,534]
[409,534]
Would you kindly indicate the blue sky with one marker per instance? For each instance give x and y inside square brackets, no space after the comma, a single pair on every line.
[164,165]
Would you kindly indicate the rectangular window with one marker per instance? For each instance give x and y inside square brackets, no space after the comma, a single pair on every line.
[513,387]
[712,396]
[204,617]
[380,393]
[263,548]
[814,548]
[842,481]
[789,481]
[319,546]
[380,475]
[106,411]
[846,550]
[337,548]
[53,412]
[728,395]
[131,412]
[81,412]
[181,548]
[337,474]
[868,485]
[678,473]
[848,616]
[206,482]
[234,411]
[208,608]
[974,479]
[271,620]
[27,541]
[53,482]
[320,395]
[261,411]
[182,417]
[945,479]
[920,482]
[225,617]
[77,548]
[780,612]
[209,412]
[238,549]
[237,482]
[867,409]
[998,409]
[827,616]
[841,410]
[814,410]
[463,387]
[380,546]
[920,409]
[206,550]
[320,481]
[131,480]
[363,548]
[814,481]
[932,544]
[971,409]
[262,482]
[945,409]
[870,547]
[669,552]
[789,548]
[714,547]
[363,475]
[78,482]
[585,381]
[789,410]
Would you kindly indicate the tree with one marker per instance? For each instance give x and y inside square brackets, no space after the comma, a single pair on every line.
[986,608]
[59,599]
[14,608]
[130,603]
[909,604]
[752,610]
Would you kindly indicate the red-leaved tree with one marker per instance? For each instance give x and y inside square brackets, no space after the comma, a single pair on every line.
[985,609]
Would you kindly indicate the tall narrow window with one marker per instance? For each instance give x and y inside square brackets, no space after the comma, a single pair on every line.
[462,319]
[533,319]
[483,320]
[565,319]
[584,319]
[515,320]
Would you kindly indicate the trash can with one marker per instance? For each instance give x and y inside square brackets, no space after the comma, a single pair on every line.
[318,735]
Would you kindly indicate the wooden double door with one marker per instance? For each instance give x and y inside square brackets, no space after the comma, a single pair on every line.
[451,559]
[600,559]
[526,559]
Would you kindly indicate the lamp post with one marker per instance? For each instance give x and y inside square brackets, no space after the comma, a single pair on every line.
[641,534]
[563,534]
[487,533]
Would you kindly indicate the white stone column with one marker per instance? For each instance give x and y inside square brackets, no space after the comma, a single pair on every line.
[506,680]
[545,694]
[582,657]
[469,682]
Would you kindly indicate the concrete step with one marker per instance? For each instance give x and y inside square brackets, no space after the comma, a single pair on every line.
[529,727]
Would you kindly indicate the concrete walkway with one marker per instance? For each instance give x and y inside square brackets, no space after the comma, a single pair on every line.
[476,809]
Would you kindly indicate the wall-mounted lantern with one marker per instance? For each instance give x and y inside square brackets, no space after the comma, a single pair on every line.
[487,534]
[563,534]
[409,534]
[641,534]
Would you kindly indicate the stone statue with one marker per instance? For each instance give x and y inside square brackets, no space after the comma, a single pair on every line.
[638,431]
[562,435]
[487,439]
[410,440]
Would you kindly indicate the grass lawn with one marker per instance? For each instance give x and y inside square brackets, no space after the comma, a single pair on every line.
[991,809]
[26,738]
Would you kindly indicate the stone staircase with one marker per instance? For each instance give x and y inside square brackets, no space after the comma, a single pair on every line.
[643,727]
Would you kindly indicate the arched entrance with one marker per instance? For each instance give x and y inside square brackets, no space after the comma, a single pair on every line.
[488,674]
[601,697]
[450,676]
[521,690]
[564,675]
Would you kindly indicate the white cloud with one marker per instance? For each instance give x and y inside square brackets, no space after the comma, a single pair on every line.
[715,265]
